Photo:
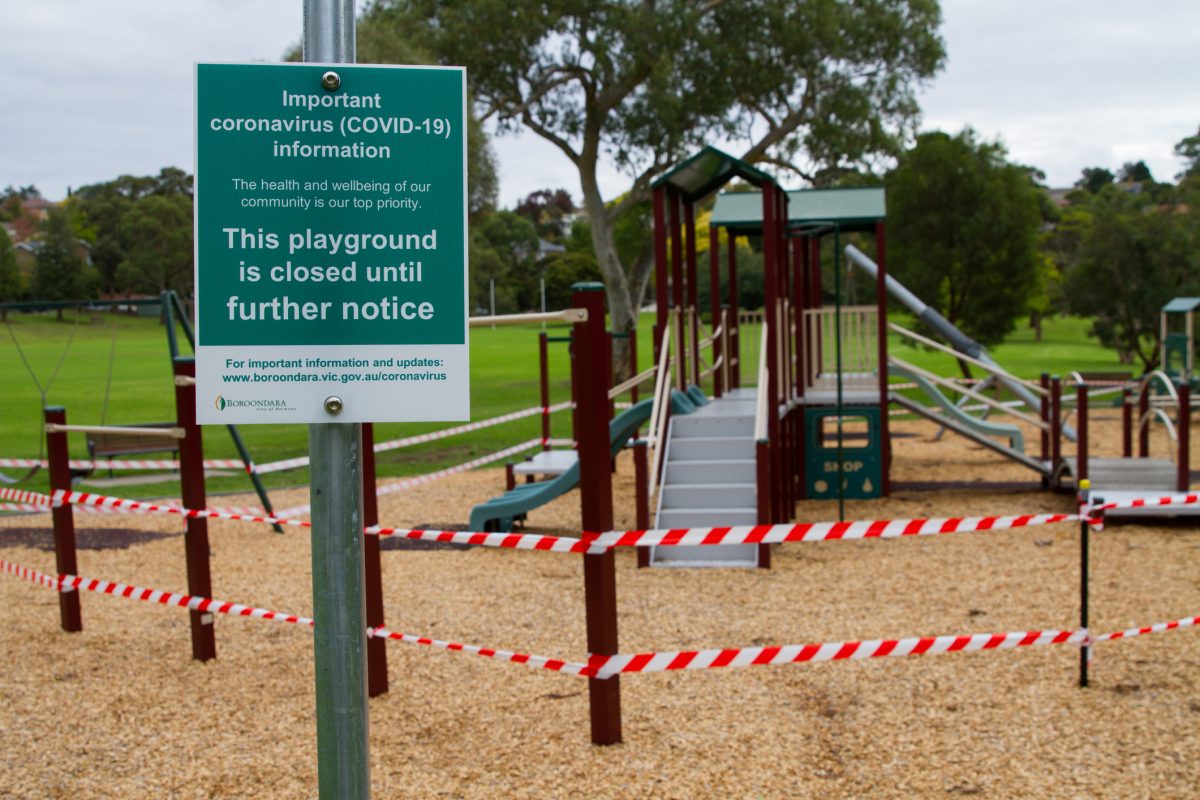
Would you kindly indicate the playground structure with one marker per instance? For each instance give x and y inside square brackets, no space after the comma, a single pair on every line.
[793,368]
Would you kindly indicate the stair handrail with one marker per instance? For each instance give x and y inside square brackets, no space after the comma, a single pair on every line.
[983,398]
[662,402]
[1033,386]
[760,413]
[726,354]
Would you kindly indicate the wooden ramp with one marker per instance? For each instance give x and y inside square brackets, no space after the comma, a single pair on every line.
[1121,479]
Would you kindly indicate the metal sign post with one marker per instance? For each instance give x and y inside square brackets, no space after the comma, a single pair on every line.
[335,493]
[331,290]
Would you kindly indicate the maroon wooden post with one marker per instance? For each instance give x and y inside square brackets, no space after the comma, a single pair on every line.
[1081,433]
[735,331]
[881,300]
[1044,413]
[1184,479]
[693,291]
[770,294]
[677,300]
[612,376]
[573,356]
[1143,421]
[63,517]
[641,478]
[191,480]
[714,304]
[660,268]
[1127,423]
[814,289]
[762,479]
[633,363]
[377,675]
[544,373]
[595,487]
[1055,422]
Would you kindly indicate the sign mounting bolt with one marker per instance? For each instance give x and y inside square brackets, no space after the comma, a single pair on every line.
[333,405]
[331,81]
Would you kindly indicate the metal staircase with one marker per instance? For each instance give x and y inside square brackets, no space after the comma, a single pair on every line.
[709,480]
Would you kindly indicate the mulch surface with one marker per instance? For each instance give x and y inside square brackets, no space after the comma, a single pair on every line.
[121,709]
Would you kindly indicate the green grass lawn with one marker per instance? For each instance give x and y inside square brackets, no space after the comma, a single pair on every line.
[504,378]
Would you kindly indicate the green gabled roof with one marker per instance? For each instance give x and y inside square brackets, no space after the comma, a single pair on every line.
[852,208]
[1181,305]
[707,171]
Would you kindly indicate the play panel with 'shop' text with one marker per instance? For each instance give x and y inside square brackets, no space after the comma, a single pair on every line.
[330,243]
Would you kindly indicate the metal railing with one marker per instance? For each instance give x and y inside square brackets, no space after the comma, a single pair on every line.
[760,412]
[857,328]
[663,385]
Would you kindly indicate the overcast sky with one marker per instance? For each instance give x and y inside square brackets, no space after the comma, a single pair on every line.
[93,89]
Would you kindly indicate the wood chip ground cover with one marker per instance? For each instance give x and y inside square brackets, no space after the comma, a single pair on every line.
[120,710]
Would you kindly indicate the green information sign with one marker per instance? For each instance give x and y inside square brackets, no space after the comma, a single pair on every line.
[331,243]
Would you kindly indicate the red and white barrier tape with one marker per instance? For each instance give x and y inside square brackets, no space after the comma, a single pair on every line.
[89,500]
[138,464]
[22,496]
[408,483]
[608,666]
[203,604]
[27,574]
[1149,502]
[470,426]
[821,531]
[396,444]
[1158,627]
[514,541]
[24,507]
[552,664]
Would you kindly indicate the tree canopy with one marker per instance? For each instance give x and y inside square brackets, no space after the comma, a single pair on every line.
[10,276]
[964,225]
[59,272]
[1123,256]
[803,86]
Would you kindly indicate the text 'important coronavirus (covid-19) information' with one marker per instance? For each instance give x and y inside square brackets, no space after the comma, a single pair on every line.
[331,243]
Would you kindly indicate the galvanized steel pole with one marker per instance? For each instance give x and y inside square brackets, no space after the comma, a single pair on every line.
[335,450]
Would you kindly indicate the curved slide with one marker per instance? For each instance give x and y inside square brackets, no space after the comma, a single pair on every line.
[977,430]
[1016,440]
[957,339]
[498,513]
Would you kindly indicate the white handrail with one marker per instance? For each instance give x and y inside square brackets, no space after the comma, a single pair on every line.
[658,410]
[1144,384]
[938,379]
[640,378]
[162,433]
[1033,386]
[566,315]
[760,414]
[704,373]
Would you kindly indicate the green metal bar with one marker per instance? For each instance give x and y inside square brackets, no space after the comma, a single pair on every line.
[837,326]
[170,300]
[169,321]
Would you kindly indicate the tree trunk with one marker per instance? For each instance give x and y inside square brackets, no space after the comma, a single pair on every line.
[622,308]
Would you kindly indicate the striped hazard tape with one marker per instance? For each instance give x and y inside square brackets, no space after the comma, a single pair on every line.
[22,496]
[1158,627]
[1149,502]
[604,667]
[608,666]
[408,483]
[208,605]
[137,464]
[432,436]
[821,531]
